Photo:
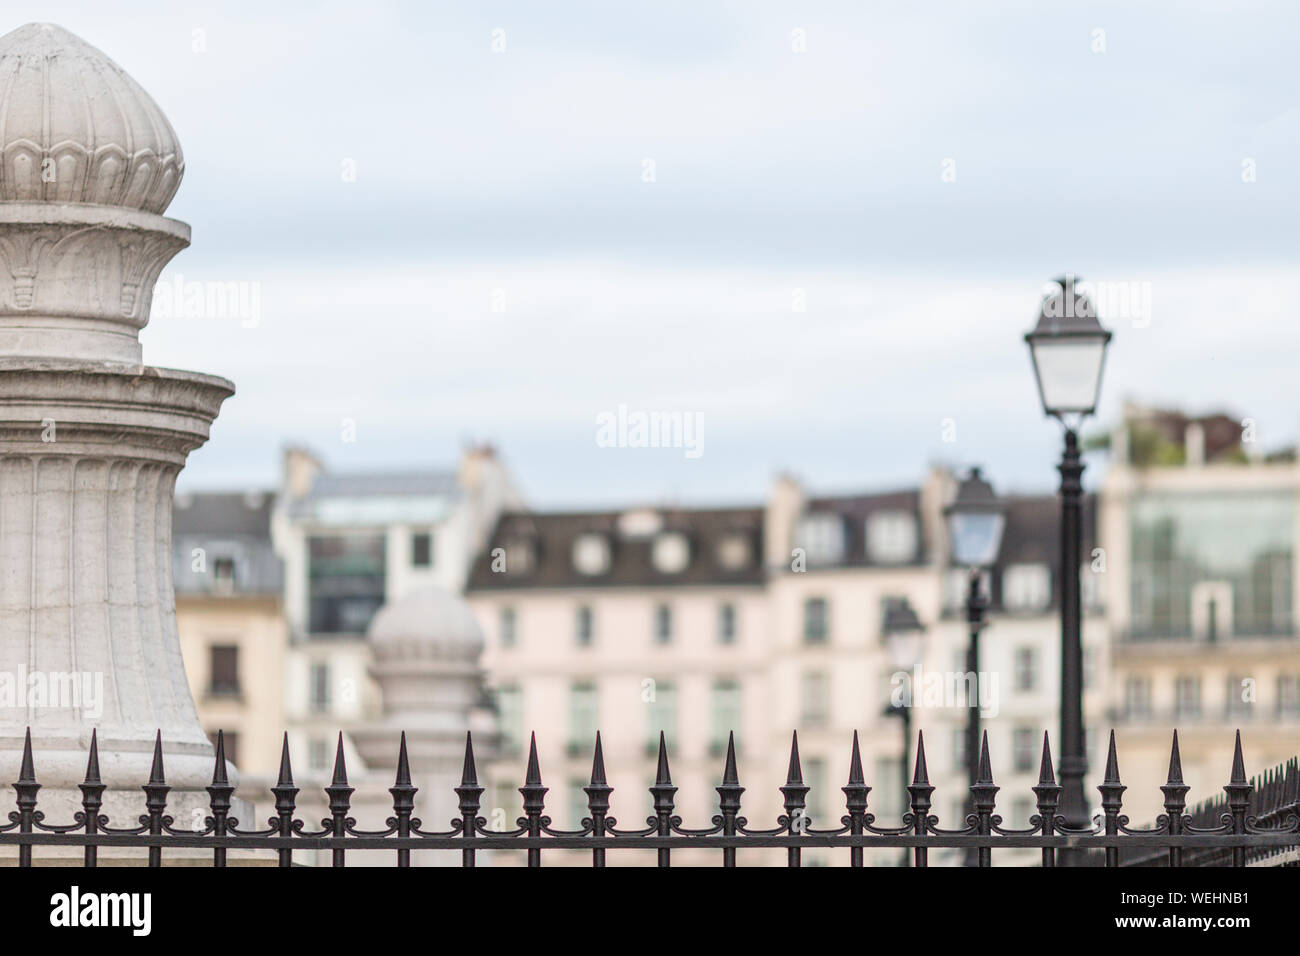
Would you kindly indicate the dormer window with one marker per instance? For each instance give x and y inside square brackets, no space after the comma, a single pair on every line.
[891,537]
[734,552]
[671,553]
[1026,587]
[520,556]
[591,554]
[223,574]
[822,538]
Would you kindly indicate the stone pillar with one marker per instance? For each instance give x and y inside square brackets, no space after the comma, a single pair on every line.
[91,441]
[425,657]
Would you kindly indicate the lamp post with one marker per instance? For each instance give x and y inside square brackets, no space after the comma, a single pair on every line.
[975,522]
[905,643]
[1068,350]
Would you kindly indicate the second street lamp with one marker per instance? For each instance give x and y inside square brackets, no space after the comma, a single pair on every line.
[975,522]
[1068,349]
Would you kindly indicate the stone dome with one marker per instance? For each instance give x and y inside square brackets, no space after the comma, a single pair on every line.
[429,623]
[75,128]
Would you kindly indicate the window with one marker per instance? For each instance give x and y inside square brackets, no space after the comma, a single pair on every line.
[421,549]
[1236,702]
[318,754]
[1022,808]
[591,554]
[223,670]
[956,582]
[582,717]
[725,712]
[663,624]
[662,717]
[1024,746]
[959,748]
[889,795]
[510,718]
[814,776]
[1243,541]
[734,552]
[508,627]
[822,538]
[815,692]
[816,625]
[671,553]
[517,557]
[582,626]
[346,582]
[1288,695]
[320,687]
[1089,667]
[1026,669]
[577,802]
[726,623]
[1137,697]
[1026,587]
[891,537]
[223,574]
[1187,696]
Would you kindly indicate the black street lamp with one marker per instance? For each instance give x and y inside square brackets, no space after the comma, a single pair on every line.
[1068,349]
[975,522]
[905,644]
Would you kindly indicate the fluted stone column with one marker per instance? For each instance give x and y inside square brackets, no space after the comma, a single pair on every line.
[91,441]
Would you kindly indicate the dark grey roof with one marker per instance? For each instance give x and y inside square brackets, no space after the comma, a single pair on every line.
[213,528]
[854,510]
[550,538]
[386,484]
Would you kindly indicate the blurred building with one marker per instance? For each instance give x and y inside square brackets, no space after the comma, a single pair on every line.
[762,621]
[351,543]
[1200,593]
[1020,651]
[630,623]
[229,615]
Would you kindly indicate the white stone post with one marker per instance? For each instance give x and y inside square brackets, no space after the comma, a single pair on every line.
[91,441]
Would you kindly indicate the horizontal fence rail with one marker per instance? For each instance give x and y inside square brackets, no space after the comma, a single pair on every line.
[1250,823]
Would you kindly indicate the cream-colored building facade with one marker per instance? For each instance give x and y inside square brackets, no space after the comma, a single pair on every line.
[1201,589]
[230,619]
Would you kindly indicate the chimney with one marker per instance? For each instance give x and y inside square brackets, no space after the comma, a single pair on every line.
[1194,444]
[784,506]
[299,469]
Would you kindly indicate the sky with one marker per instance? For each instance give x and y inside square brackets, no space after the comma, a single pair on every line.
[817,230]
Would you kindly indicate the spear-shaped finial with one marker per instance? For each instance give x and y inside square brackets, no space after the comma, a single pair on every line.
[92,763]
[26,785]
[730,790]
[1111,789]
[983,791]
[533,792]
[794,791]
[468,772]
[855,792]
[1238,788]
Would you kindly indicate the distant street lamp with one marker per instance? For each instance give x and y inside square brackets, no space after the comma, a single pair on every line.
[1068,349]
[975,521]
[905,644]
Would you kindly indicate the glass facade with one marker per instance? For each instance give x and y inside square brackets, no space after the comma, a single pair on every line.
[1187,548]
[347,575]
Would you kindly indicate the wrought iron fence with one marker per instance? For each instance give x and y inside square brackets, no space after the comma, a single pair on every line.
[1249,823]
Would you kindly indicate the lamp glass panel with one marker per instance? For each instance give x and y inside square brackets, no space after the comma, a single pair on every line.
[975,537]
[1069,372]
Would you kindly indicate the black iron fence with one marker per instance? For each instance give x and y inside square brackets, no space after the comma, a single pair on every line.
[1250,823]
